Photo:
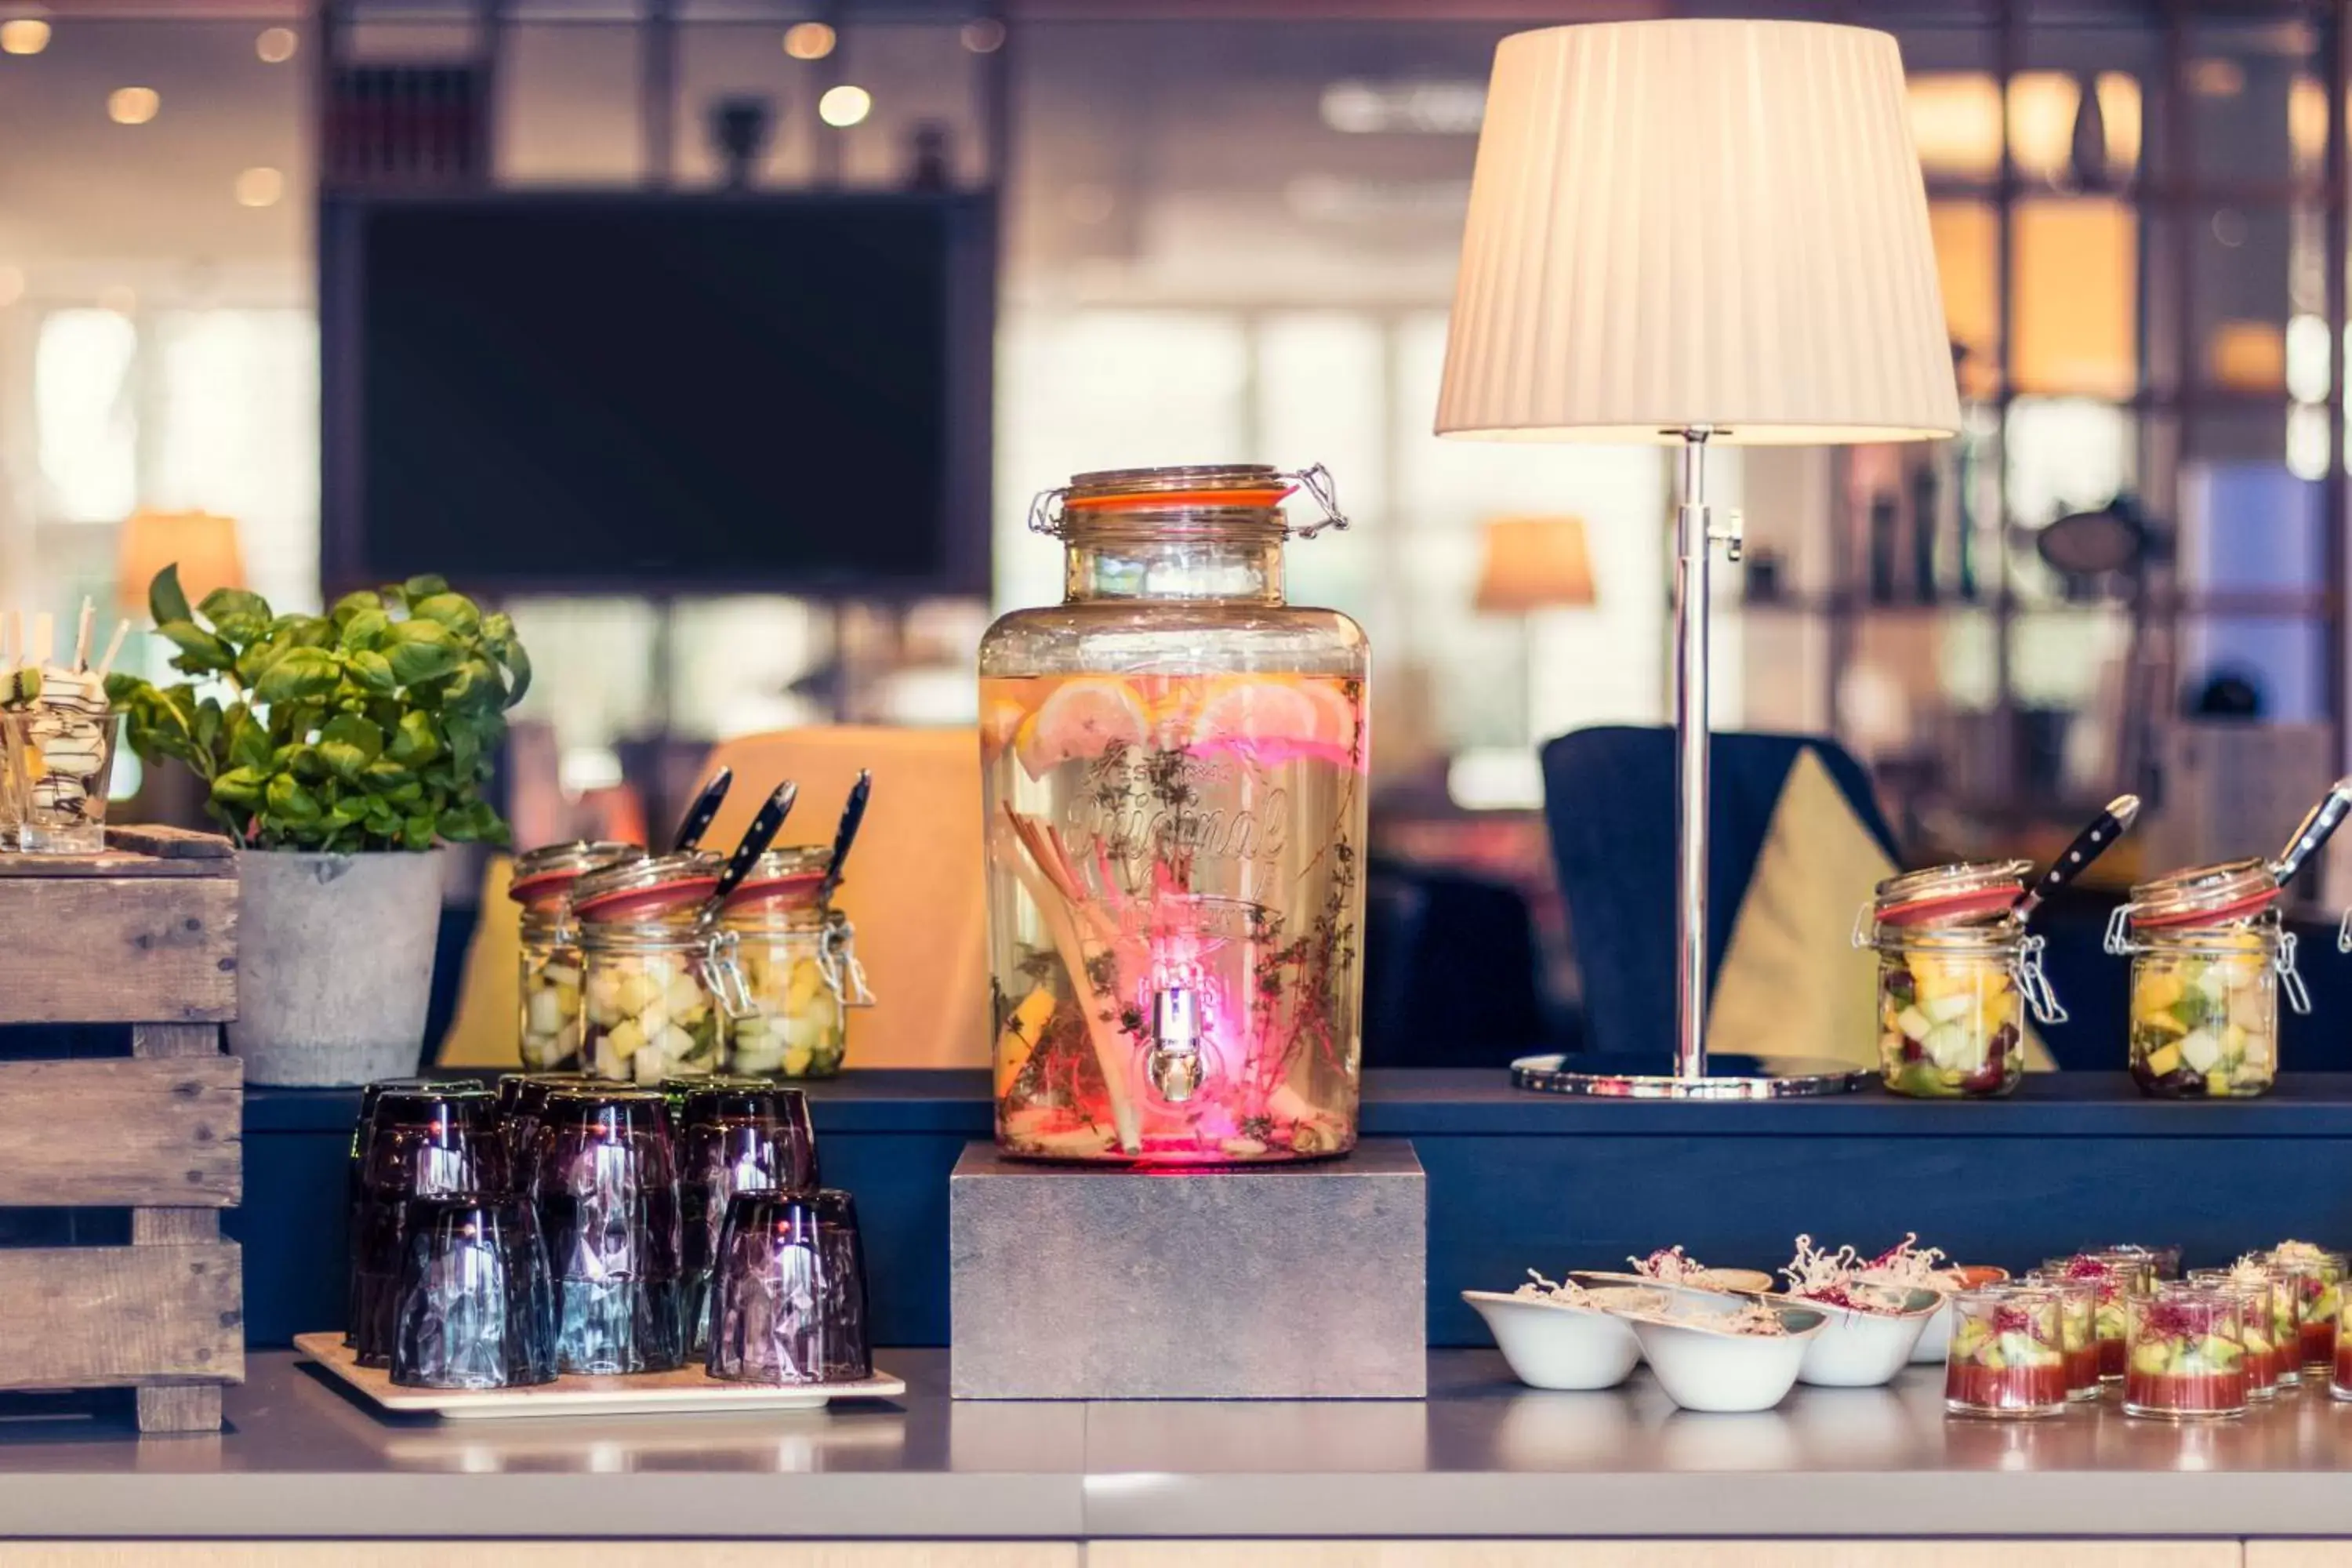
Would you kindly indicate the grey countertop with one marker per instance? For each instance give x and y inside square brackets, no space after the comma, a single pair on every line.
[1480,1457]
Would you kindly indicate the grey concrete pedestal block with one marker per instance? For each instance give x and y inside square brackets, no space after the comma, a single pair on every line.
[1292,1282]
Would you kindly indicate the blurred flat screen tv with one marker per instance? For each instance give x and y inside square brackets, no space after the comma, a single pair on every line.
[658,394]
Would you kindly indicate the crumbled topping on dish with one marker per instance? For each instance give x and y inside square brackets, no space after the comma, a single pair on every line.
[2299,1252]
[2252,1268]
[1567,1293]
[1670,1266]
[1755,1318]
[1909,1265]
[1835,1280]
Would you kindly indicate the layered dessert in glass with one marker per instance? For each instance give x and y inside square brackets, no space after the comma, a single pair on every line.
[2008,1357]
[2185,1354]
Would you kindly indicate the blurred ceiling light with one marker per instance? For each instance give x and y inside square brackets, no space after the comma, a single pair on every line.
[259,188]
[2247,356]
[133,105]
[276,46]
[1427,108]
[808,40]
[844,106]
[2306,120]
[2214,76]
[2306,358]
[24,36]
[1956,121]
[12,285]
[2306,442]
[983,36]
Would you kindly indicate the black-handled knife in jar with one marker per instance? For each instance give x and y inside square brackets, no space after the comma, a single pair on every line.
[2315,830]
[853,812]
[756,839]
[699,816]
[2093,841]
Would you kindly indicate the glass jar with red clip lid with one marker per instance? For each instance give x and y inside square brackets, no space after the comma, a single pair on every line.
[647,999]
[789,969]
[2209,957]
[1956,972]
[1173,771]
[550,969]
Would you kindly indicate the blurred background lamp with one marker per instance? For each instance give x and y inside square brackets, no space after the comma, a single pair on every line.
[203,543]
[1696,232]
[133,105]
[24,36]
[1534,563]
[844,106]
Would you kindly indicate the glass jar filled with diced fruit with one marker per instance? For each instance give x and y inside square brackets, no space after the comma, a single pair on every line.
[1956,976]
[795,957]
[2209,956]
[646,999]
[542,883]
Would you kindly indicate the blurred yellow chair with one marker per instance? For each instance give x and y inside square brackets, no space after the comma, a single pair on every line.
[914,892]
[914,889]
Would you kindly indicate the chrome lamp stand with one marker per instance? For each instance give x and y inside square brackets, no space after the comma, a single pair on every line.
[1694,1074]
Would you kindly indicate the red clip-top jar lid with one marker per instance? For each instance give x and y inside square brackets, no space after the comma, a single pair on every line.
[2205,895]
[656,887]
[785,876]
[1969,891]
[542,876]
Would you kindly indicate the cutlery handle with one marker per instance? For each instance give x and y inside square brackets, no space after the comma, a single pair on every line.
[756,839]
[853,812]
[2093,841]
[2315,831]
[697,818]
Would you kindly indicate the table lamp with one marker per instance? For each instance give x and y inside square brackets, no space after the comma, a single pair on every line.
[202,545]
[1695,233]
[1533,563]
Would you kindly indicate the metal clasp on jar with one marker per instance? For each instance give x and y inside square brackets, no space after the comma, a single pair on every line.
[2033,982]
[2118,938]
[1865,921]
[722,976]
[836,962]
[2289,981]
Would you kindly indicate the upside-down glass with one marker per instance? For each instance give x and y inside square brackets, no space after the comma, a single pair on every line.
[422,1142]
[786,1302]
[607,1195]
[733,1138]
[369,1094]
[2008,1357]
[1174,771]
[522,1101]
[2187,1353]
[476,1309]
[550,971]
[849,1342]
[57,763]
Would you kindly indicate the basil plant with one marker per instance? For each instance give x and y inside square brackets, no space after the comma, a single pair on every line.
[368,728]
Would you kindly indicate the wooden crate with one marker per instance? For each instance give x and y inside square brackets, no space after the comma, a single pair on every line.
[143,936]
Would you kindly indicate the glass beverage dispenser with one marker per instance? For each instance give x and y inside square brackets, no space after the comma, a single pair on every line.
[1174,779]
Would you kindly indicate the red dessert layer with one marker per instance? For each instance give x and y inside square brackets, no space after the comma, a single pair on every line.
[2318,1344]
[2007,1388]
[2200,1393]
[2082,1367]
[2111,1358]
[2344,1369]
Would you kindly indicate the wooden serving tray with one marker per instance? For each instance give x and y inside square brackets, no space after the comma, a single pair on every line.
[685,1391]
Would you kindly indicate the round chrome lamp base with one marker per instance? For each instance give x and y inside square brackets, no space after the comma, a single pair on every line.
[1610,1075]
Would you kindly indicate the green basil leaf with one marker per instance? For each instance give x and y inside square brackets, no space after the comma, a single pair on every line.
[365,630]
[421,651]
[423,587]
[354,603]
[287,799]
[417,833]
[455,611]
[166,601]
[417,742]
[240,788]
[299,674]
[374,671]
[248,741]
[201,653]
[238,615]
[348,743]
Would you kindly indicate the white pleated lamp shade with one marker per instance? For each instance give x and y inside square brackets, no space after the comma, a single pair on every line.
[1698,223]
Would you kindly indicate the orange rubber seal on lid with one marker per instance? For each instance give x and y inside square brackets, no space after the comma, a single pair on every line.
[1182,498]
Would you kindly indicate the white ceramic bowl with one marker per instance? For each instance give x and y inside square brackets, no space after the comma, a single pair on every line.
[1935,1339]
[1557,1344]
[1702,1368]
[1865,1350]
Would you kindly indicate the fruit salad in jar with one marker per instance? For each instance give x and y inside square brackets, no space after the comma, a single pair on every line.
[646,999]
[2209,959]
[1956,972]
[796,960]
[549,1032]
[2008,1357]
[2187,1355]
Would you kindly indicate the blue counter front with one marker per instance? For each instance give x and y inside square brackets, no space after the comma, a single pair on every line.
[1519,1180]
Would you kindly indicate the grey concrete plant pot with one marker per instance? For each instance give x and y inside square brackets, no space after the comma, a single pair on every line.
[334,964]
